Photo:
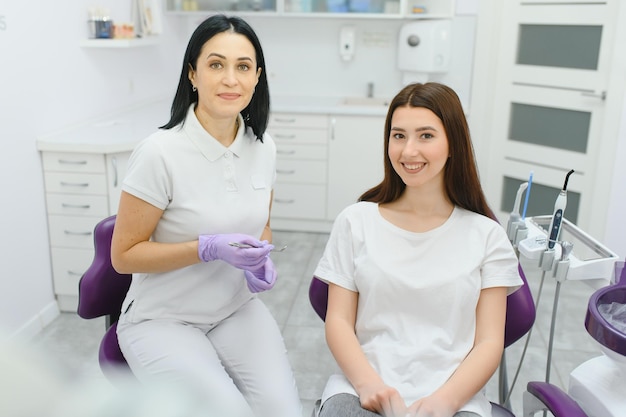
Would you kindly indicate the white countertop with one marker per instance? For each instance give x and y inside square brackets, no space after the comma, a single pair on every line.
[116,133]
[330,105]
[122,131]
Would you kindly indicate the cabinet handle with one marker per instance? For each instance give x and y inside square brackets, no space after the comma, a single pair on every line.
[289,172]
[282,201]
[79,206]
[601,95]
[66,162]
[286,152]
[333,121]
[74,184]
[279,136]
[114,163]
[280,120]
[69,232]
[78,274]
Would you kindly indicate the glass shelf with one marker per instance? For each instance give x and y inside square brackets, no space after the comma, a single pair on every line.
[119,43]
[424,9]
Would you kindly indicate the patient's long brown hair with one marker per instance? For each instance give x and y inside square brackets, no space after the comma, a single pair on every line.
[461,181]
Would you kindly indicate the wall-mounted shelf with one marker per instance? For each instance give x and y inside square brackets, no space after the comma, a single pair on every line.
[119,43]
[358,9]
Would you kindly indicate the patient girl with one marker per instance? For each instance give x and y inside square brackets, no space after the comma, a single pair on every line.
[418,274]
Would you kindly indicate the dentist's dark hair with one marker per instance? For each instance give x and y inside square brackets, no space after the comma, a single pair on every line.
[256,114]
[461,181]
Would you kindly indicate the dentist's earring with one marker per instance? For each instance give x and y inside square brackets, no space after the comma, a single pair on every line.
[193,88]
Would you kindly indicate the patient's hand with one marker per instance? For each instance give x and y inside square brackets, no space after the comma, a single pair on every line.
[382,399]
[431,406]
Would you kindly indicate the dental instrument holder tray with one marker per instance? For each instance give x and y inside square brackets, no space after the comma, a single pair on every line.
[589,260]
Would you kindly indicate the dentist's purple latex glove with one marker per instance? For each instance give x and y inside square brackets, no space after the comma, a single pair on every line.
[212,247]
[261,279]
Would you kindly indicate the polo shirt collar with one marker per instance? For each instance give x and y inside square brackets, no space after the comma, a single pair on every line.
[210,147]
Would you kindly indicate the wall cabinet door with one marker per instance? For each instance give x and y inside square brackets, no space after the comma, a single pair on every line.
[355,164]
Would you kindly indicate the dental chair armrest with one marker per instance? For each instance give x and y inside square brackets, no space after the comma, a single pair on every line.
[556,400]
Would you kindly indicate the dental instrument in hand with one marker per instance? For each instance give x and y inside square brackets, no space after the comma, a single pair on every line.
[245,245]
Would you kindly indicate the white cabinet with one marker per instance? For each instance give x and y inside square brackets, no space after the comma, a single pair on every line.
[301,166]
[324,163]
[81,189]
[355,159]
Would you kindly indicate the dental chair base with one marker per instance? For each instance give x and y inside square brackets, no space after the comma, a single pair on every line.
[599,386]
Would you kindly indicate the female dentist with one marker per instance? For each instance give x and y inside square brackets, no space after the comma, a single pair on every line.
[200,183]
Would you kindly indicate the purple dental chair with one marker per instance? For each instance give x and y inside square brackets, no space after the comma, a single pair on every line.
[599,383]
[612,339]
[520,316]
[101,291]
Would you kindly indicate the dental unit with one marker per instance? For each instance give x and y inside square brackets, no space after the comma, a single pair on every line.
[560,249]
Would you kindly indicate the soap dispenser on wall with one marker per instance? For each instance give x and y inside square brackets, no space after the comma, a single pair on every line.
[424,48]
[347,40]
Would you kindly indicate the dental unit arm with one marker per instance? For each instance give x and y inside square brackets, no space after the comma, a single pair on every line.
[589,260]
[557,246]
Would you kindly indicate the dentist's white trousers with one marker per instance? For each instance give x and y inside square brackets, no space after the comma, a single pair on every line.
[239,366]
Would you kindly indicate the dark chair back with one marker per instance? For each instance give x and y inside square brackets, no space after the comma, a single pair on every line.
[101,291]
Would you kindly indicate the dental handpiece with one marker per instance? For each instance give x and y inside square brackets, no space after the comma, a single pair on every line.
[557,216]
[514,216]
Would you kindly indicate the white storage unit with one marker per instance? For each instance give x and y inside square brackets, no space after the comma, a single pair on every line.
[83,170]
[325,161]
[301,166]
[81,189]
[355,159]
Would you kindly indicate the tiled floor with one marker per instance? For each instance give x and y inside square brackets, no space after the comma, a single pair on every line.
[73,342]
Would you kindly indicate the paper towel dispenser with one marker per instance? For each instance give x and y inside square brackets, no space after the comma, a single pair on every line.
[424,46]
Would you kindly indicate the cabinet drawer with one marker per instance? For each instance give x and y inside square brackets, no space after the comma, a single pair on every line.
[68,266]
[303,172]
[62,182]
[72,231]
[289,151]
[299,201]
[298,120]
[73,162]
[77,205]
[285,136]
